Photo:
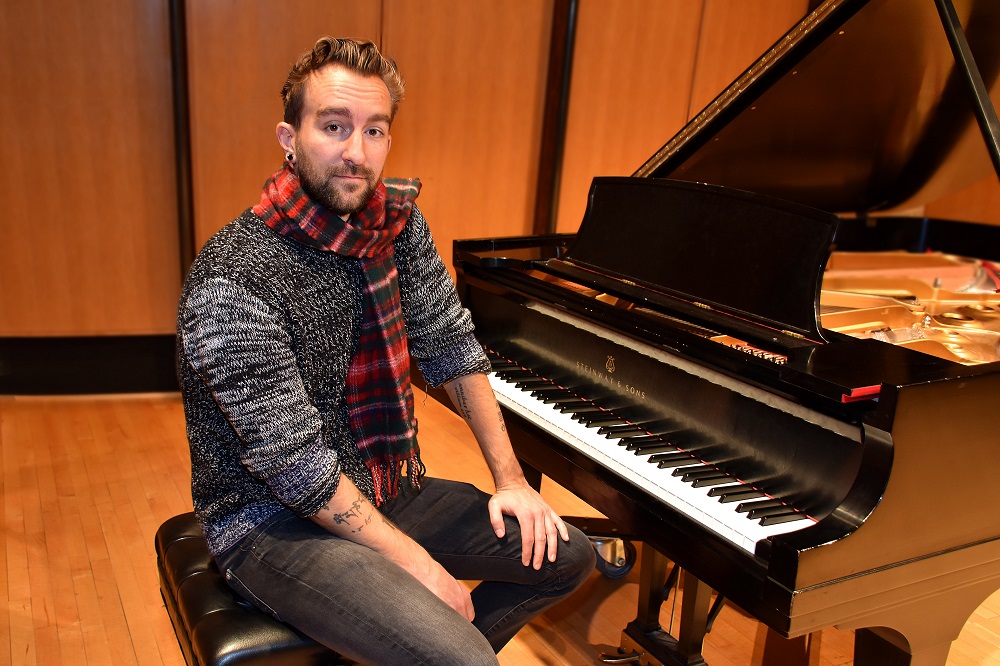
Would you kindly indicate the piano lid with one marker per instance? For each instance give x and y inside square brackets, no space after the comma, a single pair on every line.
[860,107]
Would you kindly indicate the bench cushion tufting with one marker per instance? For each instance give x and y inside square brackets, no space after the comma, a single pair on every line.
[214,626]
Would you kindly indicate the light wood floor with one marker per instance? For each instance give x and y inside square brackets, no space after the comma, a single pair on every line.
[86,482]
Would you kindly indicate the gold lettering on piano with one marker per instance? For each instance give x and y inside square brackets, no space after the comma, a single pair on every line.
[735,343]
[604,377]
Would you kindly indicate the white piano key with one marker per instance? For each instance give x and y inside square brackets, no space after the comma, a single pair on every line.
[660,483]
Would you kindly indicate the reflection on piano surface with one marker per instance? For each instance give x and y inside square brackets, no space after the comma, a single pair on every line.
[736,360]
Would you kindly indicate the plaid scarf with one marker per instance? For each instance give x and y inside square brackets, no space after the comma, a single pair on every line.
[379,397]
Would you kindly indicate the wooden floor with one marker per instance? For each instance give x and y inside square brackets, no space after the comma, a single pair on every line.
[86,482]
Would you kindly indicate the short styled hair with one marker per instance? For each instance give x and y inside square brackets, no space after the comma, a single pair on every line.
[360,57]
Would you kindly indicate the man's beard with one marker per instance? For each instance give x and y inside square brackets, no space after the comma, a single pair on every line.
[321,187]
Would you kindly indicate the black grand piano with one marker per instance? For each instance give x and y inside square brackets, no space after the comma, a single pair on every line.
[750,361]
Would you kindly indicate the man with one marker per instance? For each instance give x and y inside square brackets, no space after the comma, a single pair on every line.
[295,331]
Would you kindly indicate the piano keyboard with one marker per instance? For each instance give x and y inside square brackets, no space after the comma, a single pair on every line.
[652,461]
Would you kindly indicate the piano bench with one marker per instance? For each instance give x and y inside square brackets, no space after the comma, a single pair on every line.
[214,625]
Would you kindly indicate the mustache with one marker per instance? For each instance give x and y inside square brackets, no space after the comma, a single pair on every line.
[353,170]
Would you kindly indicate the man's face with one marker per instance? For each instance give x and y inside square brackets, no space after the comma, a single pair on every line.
[343,138]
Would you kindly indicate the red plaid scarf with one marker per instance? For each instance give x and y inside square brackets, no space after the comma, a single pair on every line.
[379,397]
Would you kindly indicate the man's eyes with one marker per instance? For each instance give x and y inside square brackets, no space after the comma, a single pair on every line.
[374,132]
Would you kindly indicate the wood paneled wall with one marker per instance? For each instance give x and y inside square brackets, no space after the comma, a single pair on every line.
[239,53]
[89,225]
[469,126]
[642,69]
[90,233]
[471,123]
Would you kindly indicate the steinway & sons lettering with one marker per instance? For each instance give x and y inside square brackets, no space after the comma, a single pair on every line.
[605,376]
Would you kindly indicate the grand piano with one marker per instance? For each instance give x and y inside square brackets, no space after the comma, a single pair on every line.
[756,359]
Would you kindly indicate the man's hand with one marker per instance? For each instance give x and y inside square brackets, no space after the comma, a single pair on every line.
[350,515]
[434,577]
[541,526]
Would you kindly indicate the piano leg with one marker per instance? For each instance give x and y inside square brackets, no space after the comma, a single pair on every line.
[694,618]
[644,639]
[773,649]
[531,475]
[884,647]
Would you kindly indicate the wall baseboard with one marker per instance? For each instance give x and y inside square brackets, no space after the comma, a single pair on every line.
[83,365]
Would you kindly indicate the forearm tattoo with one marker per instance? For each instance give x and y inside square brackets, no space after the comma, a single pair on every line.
[344,517]
[356,512]
[387,522]
[462,402]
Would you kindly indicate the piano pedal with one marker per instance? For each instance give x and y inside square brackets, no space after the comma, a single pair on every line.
[656,649]
[615,556]
[620,656]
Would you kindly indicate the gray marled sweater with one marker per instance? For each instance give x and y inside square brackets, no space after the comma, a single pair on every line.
[266,330]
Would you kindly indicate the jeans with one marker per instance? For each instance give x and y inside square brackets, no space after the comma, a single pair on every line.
[358,603]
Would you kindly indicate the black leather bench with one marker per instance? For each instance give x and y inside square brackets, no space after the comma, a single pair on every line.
[214,626]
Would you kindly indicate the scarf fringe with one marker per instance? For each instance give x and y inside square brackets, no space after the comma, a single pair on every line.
[390,477]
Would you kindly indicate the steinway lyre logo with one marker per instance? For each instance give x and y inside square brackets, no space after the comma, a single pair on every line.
[610,365]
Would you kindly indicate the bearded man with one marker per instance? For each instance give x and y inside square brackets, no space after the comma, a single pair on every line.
[296,328]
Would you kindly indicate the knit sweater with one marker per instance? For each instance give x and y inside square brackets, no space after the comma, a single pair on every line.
[266,331]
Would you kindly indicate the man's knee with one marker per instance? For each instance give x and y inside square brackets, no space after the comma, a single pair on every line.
[576,559]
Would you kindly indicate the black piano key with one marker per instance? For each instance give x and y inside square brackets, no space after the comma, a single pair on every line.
[740,487]
[591,414]
[597,420]
[632,443]
[746,507]
[564,401]
[532,382]
[668,464]
[677,437]
[554,398]
[537,387]
[580,407]
[727,495]
[497,361]
[713,481]
[651,449]
[694,475]
[671,455]
[700,468]
[648,446]
[551,395]
[756,514]
[515,374]
[619,431]
[783,518]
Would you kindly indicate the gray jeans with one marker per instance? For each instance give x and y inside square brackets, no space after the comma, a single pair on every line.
[358,603]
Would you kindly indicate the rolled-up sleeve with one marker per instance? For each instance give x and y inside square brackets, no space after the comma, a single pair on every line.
[440,330]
